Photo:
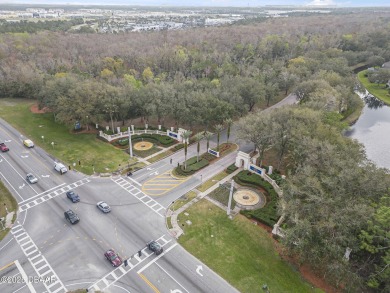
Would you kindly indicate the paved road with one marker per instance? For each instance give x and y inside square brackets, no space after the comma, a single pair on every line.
[56,256]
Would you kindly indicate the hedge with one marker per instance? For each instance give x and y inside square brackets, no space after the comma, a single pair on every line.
[154,138]
[268,214]
[231,168]
[192,166]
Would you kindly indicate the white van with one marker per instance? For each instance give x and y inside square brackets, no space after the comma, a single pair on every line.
[60,168]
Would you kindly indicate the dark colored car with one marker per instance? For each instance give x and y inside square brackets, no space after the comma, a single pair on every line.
[155,247]
[105,208]
[3,147]
[74,197]
[113,258]
[72,217]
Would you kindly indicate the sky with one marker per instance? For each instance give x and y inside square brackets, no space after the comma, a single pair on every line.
[237,3]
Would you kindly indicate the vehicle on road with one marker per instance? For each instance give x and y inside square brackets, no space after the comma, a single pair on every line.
[104,207]
[113,258]
[31,178]
[74,197]
[59,167]
[28,143]
[155,247]
[3,147]
[72,217]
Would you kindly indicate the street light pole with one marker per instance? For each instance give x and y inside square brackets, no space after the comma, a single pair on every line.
[130,144]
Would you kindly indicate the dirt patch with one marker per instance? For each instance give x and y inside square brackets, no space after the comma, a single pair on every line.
[35,109]
[305,270]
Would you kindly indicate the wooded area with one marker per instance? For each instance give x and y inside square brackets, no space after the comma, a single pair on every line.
[334,198]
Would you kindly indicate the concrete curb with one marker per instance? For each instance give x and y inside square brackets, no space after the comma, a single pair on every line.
[176,230]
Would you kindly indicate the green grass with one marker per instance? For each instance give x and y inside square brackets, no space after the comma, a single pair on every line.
[68,147]
[6,199]
[379,91]
[212,181]
[183,200]
[222,194]
[242,253]
[169,224]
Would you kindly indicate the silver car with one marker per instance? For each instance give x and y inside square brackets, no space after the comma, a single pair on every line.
[31,178]
[105,208]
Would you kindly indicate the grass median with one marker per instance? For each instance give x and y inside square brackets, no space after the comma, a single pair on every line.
[6,200]
[240,252]
[84,150]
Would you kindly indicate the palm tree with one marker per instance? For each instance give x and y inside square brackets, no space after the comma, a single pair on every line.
[218,128]
[198,137]
[229,123]
[186,135]
[207,135]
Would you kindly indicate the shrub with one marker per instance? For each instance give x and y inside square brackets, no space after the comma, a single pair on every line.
[231,168]
[268,214]
[208,157]
[179,146]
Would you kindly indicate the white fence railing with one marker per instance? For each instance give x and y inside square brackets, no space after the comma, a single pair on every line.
[126,134]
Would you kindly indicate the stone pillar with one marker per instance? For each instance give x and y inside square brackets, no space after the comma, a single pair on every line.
[97,126]
[172,129]
[270,169]
[132,128]
[118,130]
[159,127]
[107,128]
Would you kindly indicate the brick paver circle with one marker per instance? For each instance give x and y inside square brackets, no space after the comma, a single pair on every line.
[143,146]
[246,197]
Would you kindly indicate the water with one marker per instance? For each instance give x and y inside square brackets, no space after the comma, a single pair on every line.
[373,130]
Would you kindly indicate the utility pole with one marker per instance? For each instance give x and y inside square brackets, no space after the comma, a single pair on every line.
[130,144]
[230,197]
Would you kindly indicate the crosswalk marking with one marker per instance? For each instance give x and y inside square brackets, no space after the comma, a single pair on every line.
[119,272]
[37,260]
[52,194]
[137,193]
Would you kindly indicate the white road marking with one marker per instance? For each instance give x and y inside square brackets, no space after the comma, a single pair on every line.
[142,197]
[122,288]
[11,186]
[134,181]
[35,257]
[42,192]
[133,261]
[176,290]
[198,269]
[6,244]
[156,259]
[26,280]
[32,203]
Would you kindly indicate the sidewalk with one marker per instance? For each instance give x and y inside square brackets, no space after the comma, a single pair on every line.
[176,231]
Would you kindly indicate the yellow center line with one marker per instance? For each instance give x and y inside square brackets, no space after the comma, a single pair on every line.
[149,283]
[6,266]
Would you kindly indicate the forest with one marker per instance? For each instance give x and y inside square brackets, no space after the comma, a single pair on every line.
[334,198]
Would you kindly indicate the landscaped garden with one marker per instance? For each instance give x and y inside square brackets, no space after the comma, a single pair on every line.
[6,200]
[267,214]
[239,251]
[194,164]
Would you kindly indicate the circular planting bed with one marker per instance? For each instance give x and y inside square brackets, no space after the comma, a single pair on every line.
[143,145]
[249,199]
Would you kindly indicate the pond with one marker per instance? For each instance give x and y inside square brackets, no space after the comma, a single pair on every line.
[372,129]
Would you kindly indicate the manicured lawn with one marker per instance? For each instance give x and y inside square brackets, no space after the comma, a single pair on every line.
[222,194]
[212,181]
[242,253]
[379,91]
[68,147]
[183,200]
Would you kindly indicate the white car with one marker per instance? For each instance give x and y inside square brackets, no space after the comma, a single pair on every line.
[31,178]
[59,167]
[105,208]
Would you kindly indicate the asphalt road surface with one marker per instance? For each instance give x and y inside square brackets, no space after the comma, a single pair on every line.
[45,253]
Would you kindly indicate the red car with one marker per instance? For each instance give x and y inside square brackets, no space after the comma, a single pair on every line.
[3,147]
[114,258]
